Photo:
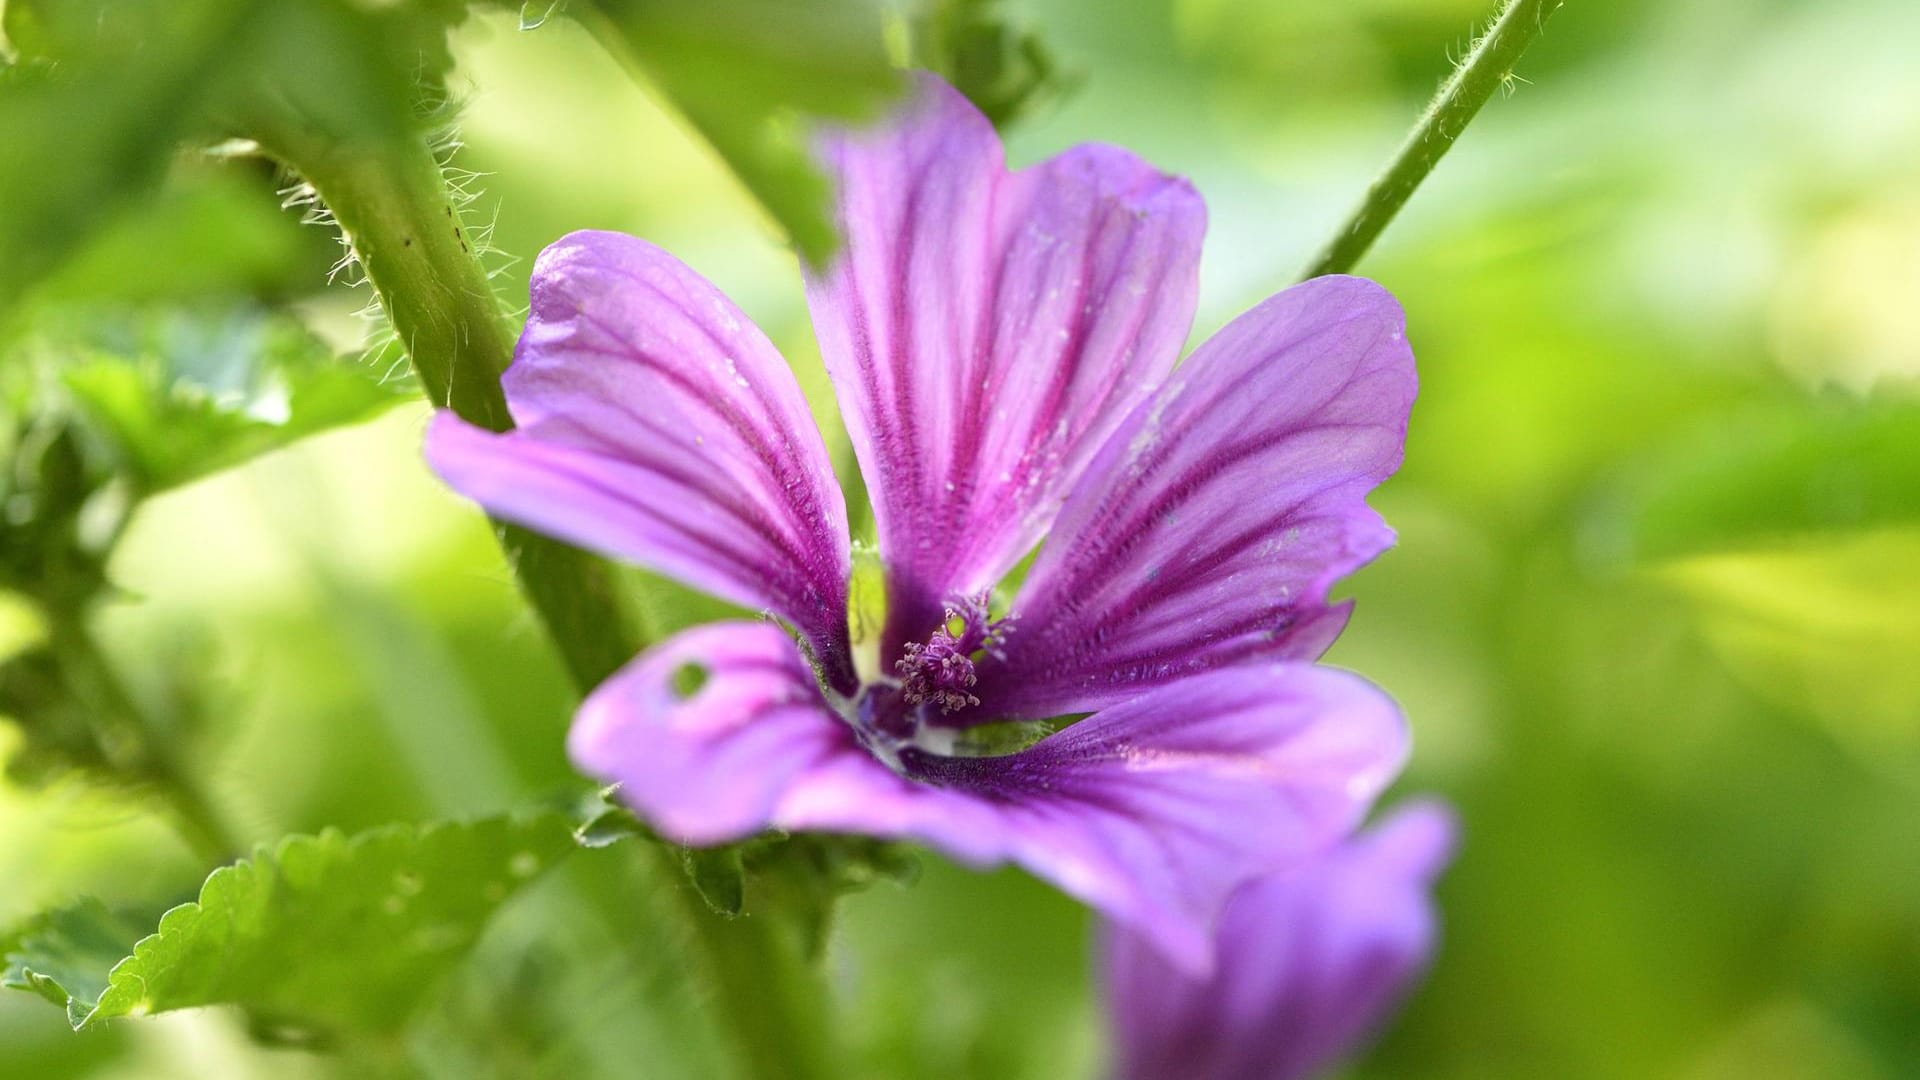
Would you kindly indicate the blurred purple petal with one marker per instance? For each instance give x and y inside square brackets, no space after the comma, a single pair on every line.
[1153,811]
[1209,528]
[985,330]
[1308,964]
[659,425]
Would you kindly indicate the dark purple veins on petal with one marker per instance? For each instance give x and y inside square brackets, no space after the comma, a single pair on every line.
[658,424]
[986,329]
[1211,525]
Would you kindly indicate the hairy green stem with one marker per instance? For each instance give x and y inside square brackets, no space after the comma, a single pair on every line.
[393,204]
[1487,66]
[397,211]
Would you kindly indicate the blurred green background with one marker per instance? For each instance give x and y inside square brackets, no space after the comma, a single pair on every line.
[1654,613]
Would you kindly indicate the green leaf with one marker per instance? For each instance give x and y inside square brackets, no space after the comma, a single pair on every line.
[798,875]
[87,130]
[719,877]
[108,89]
[608,825]
[327,931]
[179,398]
[802,877]
[222,230]
[751,75]
[65,954]
[1003,68]
[1781,476]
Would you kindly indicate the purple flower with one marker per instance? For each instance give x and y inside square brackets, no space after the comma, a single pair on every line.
[1002,345]
[1309,962]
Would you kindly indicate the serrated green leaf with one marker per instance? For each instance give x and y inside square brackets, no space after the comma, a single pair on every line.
[1781,476]
[325,931]
[184,398]
[750,75]
[65,954]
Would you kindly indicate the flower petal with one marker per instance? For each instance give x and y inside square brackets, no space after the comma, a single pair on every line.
[1211,525]
[1308,963]
[986,329]
[707,732]
[1153,811]
[659,425]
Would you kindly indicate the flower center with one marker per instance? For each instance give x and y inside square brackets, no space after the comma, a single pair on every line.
[940,670]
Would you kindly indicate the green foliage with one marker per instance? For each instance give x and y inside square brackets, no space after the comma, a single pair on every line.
[804,876]
[65,510]
[801,875]
[968,976]
[61,733]
[608,824]
[328,932]
[89,118]
[105,93]
[751,76]
[1707,767]
[64,955]
[185,399]
[214,229]
[1790,473]
[110,407]
[719,875]
[1004,68]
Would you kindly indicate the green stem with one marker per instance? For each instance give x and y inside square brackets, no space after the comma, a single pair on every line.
[767,989]
[393,203]
[1488,65]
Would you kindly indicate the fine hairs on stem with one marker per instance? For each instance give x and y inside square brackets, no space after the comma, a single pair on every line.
[1487,66]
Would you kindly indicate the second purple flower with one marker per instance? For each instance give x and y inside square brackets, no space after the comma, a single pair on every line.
[1003,348]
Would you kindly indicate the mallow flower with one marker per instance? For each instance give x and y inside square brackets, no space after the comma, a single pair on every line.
[1002,345]
[1309,962]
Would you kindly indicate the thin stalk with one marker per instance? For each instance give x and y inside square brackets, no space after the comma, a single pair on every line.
[393,203]
[1488,66]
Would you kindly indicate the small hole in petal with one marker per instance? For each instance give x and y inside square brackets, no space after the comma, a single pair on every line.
[688,678]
